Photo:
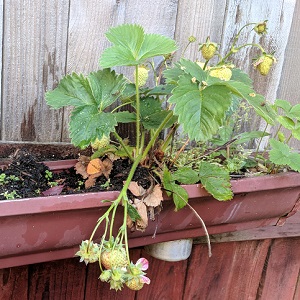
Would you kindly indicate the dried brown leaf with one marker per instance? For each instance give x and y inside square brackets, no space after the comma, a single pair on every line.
[135,189]
[155,197]
[91,180]
[106,167]
[81,169]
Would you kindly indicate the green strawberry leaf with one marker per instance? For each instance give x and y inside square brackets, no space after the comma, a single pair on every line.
[296,131]
[295,161]
[125,117]
[286,122]
[216,181]
[132,46]
[90,96]
[161,90]
[285,105]
[295,112]
[180,196]
[88,123]
[193,69]
[257,101]
[172,75]
[100,88]
[239,75]
[186,175]
[133,213]
[280,153]
[200,111]
[178,193]
[247,136]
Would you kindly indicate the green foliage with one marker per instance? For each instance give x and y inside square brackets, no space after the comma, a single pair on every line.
[132,46]
[210,110]
[281,154]
[216,180]
[89,96]
[178,193]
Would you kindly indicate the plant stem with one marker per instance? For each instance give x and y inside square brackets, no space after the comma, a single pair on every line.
[137,109]
[124,146]
[154,137]
[259,143]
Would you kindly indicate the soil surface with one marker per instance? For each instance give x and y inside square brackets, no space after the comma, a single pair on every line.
[26,177]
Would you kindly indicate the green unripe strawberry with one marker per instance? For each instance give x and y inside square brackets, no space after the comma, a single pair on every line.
[264,63]
[114,258]
[142,75]
[134,284]
[88,251]
[224,73]
[98,144]
[105,275]
[208,49]
[261,28]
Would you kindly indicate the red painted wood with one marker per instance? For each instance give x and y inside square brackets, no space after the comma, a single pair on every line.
[232,273]
[14,283]
[59,280]
[282,270]
[258,270]
[167,280]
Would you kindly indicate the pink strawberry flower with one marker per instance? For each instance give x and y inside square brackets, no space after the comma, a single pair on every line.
[142,263]
[137,269]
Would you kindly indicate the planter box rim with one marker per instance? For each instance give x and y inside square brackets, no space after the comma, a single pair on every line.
[46,204]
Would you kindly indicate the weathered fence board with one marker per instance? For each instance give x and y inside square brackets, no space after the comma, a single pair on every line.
[44,40]
[265,269]
[34,52]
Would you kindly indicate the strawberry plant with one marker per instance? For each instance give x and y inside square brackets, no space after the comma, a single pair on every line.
[201,98]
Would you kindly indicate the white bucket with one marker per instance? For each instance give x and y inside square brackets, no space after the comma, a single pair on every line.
[171,251]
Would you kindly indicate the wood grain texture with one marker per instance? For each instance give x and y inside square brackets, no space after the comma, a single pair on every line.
[282,272]
[279,15]
[14,283]
[34,53]
[290,228]
[199,19]
[167,280]
[62,279]
[1,52]
[232,273]
[289,81]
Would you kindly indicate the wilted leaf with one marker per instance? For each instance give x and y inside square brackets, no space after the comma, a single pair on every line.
[135,189]
[106,167]
[55,190]
[91,180]
[155,197]
[81,166]
[97,166]
[94,166]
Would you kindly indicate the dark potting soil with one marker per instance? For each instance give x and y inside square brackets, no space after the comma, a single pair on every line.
[26,177]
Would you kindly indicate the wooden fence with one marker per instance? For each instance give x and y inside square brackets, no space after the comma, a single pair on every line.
[246,270]
[43,40]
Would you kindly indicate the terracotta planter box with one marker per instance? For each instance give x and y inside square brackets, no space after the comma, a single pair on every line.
[48,228]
